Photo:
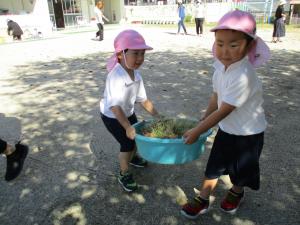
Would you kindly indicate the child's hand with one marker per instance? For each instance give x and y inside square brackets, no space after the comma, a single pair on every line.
[130,132]
[190,136]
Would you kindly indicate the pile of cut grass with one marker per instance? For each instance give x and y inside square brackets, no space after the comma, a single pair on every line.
[167,128]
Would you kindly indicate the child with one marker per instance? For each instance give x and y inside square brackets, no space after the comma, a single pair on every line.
[124,86]
[236,106]
[99,17]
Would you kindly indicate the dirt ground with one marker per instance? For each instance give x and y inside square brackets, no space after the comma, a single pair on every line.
[50,91]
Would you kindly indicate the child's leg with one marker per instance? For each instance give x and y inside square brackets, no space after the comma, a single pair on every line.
[200,204]
[124,159]
[207,188]
[136,160]
[237,189]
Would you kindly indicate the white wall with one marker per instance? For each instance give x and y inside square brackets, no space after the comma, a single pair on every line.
[17,6]
[169,12]
[36,16]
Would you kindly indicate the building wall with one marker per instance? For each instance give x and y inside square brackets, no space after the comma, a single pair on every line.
[213,11]
[32,17]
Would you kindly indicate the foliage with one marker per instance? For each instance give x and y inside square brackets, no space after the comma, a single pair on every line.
[167,128]
[188,18]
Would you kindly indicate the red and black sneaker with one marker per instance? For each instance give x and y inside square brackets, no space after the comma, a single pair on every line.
[232,201]
[195,208]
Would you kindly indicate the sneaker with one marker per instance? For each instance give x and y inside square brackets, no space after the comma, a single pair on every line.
[232,201]
[137,161]
[15,162]
[195,208]
[127,182]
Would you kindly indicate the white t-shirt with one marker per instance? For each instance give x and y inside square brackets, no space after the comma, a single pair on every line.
[99,15]
[239,86]
[121,91]
[199,11]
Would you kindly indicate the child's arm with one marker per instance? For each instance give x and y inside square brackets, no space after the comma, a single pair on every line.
[149,107]
[212,105]
[105,17]
[121,117]
[192,135]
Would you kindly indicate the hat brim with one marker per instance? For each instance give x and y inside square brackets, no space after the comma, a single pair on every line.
[222,27]
[140,47]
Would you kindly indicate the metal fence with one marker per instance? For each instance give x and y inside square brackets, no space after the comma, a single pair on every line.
[295,20]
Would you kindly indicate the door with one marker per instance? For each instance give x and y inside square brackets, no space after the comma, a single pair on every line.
[58,13]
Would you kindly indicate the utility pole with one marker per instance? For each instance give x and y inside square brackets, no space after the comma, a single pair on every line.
[270,12]
[265,11]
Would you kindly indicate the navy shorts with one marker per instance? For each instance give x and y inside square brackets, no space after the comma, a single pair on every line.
[119,133]
[236,156]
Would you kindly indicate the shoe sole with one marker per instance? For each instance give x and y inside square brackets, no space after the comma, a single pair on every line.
[203,211]
[125,189]
[138,166]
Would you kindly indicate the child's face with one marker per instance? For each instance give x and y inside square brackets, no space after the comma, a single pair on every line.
[100,5]
[134,58]
[231,46]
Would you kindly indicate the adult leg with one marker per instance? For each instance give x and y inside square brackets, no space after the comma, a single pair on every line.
[179,25]
[201,20]
[274,32]
[197,25]
[182,23]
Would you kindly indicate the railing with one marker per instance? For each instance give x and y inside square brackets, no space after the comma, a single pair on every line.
[295,20]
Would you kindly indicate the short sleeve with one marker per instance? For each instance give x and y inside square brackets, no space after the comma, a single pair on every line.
[237,91]
[114,90]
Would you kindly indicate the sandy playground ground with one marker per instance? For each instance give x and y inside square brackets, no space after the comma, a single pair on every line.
[49,97]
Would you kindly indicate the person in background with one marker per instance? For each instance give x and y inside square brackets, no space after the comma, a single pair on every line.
[17,32]
[236,106]
[15,157]
[99,17]
[279,22]
[124,87]
[199,16]
[181,16]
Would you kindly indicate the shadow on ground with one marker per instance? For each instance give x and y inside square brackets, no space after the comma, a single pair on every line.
[69,177]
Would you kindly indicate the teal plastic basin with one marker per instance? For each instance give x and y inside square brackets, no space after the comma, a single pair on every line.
[168,151]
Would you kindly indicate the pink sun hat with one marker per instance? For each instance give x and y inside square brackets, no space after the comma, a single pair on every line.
[245,22]
[127,39]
